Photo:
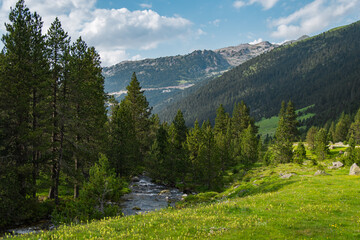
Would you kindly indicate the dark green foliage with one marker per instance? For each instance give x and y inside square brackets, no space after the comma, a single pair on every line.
[300,153]
[285,134]
[123,149]
[322,70]
[208,160]
[221,121]
[158,161]
[310,138]
[354,131]
[86,106]
[51,110]
[58,47]
[249,146]
[140,113]
[342,128]
[177,134]
[321,148]
[97,198]
[103,185]
[24,86]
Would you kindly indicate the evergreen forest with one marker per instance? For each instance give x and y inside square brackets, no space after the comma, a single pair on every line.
[321,70]
[68,150]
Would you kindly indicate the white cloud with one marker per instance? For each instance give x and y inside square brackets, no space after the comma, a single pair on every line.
[138,29]
[267,4]
[216,22]
[111,31]
[145,5]
[313,17]
[239,4]
[113,56]
[256,41]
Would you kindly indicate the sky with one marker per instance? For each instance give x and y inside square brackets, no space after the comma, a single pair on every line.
[138,29]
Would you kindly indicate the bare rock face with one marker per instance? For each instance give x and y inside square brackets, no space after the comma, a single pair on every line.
[321,173]
[354,169]
[336,165]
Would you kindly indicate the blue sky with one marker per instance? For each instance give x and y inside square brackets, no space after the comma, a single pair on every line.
[132,29]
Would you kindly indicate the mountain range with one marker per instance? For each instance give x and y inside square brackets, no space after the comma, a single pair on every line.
[165,79]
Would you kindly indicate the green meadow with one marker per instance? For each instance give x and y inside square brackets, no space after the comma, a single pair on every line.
[258,205]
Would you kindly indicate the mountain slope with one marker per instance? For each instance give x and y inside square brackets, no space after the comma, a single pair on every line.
[323,70]
[163,78]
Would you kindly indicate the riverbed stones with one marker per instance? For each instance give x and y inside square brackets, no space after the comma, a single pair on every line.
[354,169]
[336,165]
[164,192]
[135,179]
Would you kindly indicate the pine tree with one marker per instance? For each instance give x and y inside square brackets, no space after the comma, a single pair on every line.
[193,141]
[140,113]
[86,103]
[178,131]
[285,134]
[208,159]
[310,137]
[103,186]
[321,148]
[300,153]
[24,88]
[225,146]
[291,122]
[221,121]
[158,159]
[354,130]
[342,128]
[123,148]
[249,143]
[57,43]
[241,119]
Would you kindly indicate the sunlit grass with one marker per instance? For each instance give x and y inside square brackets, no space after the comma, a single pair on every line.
[262,206]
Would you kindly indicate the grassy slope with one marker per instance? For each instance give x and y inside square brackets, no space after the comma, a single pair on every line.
[262,207]
[269,125]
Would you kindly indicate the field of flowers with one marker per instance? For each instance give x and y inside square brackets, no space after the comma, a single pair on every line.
[263,207]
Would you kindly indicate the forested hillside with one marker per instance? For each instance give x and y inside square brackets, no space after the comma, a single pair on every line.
[165,78]
[322,70]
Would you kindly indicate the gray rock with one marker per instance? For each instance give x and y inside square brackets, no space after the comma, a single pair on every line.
[164,192]
[135,179]
[354,169]
[321,173]
[287,176]
[336,165]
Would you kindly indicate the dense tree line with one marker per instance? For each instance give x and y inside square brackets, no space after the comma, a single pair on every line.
[197,158]
[52,112]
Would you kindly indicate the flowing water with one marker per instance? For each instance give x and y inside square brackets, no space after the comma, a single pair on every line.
[146,196]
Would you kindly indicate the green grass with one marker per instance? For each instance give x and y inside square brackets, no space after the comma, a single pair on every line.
[259,205]
[269,125]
